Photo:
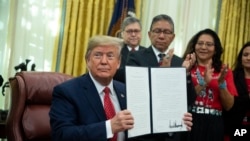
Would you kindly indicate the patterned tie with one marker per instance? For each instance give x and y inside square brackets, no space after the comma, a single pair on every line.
[161,56]
[109,108]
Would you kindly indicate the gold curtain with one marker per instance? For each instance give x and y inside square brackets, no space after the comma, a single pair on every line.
[84,18]
[138,5]
[234,28]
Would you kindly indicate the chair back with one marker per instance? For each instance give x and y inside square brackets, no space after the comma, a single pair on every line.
[31,95]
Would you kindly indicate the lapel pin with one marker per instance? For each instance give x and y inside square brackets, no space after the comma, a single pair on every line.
[122,95]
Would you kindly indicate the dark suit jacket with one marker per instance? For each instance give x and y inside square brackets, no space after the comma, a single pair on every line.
[120,74]
[147,58]
[77,112]
[234,117]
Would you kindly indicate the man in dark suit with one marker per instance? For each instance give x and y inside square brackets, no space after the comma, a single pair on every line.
[79,106]
[78,110]
[131,34]
[161,35]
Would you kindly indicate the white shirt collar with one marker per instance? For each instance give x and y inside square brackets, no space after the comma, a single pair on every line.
[100,87]
[130,48]
[157,52]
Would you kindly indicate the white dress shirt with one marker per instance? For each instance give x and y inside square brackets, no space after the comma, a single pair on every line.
[114,99]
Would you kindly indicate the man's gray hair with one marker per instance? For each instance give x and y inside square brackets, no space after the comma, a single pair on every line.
[103,40]
[129,20]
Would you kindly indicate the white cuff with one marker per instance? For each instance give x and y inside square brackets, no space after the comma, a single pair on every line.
[109,129]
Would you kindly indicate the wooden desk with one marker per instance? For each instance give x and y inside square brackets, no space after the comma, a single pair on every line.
[2,130]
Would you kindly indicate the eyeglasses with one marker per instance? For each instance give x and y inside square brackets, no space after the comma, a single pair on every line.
[136,31]
[159,31]
[207,44]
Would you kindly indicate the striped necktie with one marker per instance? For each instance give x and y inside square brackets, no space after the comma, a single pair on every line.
[161,56]
[109,108]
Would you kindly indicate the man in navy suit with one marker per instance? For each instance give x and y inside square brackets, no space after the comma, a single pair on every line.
[161,35]
[131,34]
[77,111]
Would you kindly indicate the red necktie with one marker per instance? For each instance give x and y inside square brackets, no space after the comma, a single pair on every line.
[133,49]
[109,108]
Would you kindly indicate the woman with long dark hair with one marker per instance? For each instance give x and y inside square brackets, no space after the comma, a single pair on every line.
[238,118]
[214,87]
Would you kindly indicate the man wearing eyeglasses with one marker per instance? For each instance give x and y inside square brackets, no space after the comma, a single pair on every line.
[131,34]
[161,35]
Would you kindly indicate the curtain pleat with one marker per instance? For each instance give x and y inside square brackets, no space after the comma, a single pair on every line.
[234,27]
[56,53]
[138,8]
[84,18]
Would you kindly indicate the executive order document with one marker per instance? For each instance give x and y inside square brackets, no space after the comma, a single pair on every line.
[157,98]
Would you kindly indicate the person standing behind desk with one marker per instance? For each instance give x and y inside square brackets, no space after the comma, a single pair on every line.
[77,109]
[131,34]
[214,87]
[238,117]
[161,35]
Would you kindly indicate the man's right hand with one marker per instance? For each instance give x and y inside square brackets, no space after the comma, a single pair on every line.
[122,121]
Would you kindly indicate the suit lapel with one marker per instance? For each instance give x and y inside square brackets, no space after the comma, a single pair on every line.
[120,95]
[151,58]
[141,47]
[93,97]
[125,51]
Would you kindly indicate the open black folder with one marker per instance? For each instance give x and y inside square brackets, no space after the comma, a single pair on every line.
[157,98]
